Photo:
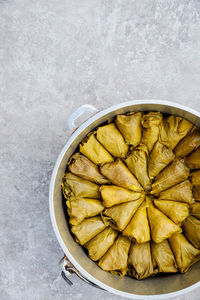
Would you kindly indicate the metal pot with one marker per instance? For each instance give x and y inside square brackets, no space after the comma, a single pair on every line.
[75,259]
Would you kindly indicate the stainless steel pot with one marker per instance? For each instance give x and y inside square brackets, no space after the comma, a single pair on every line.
[77,261]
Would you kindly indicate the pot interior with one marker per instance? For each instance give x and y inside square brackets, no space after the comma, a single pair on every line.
[152,286]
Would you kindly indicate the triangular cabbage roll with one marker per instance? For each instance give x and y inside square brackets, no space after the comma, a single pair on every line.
[185,254]
[176,211]
[85,168]
[73,185]
[115,259]
[193,160]
[110,137]
[195,210]
[159,158]
[172,130]
[191,227]
[120,215]
[91,148]
[98,246]
[195,178]
[175,173]
[112,195]
[150,123]
[190,143]
[130,127]
[180,192]
[82,208]
[137,162]
[161,226]
[87,229]
[196,193]
[140,261]
[164,257]
[120,175]
[138,227]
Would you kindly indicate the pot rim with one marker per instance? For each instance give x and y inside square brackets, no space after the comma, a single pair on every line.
[51,199]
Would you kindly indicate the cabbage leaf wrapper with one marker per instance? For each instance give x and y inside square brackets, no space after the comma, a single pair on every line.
[100,244]
[185,253]
[140,261]
[115,259]
[161,226]
[180,192]
[193,160]
[111,138]
[176,211]
[172,130]
[195,178]
[138,228]
[137,162]
[87,229]
[173,174]
[191,227]
[82,208]
[120,215]
[196,193]
[130,127]
[91,148]
[163,257]
[159,158]
[120,175]
[113,195]
[73,185]
[150,132]
[190,143]
[81,166]
[195,210]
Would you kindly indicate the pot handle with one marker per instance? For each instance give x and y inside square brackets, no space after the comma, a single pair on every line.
[78,113]
[67,269]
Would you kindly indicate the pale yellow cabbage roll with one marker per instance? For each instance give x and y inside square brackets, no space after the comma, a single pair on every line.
[191,227]
[193,160]
[190,143]
[130,127]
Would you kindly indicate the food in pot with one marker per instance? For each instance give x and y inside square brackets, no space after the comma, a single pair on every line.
[132,193]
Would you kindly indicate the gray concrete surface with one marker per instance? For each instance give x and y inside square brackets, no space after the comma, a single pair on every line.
[54,56]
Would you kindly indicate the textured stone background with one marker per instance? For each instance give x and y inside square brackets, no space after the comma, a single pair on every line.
[54,56]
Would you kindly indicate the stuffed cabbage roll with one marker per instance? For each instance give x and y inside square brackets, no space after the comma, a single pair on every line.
[115,259]
[140,261]
[176,211]
[180,192]
[160,157]
[195,178]
[190,143]
[130,127]
[110,137]
[185,254]
[137,162]
[83,167]
[191,227]
[196,193]
[175,173]
[150,123]
[163,257]
[73,185]
[91,148]
[112,195]
[82,208]
[161,226]
[138,228]
[120,215]
[98,246]
[195,210]
[172,130]
[193,160]
[120,175]
[87,229]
